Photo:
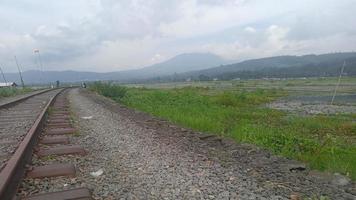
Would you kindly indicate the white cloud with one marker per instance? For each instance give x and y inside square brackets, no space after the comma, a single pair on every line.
[157,58]
[119,54]
[275,42]
[250,29]
[276,37]
[105,35]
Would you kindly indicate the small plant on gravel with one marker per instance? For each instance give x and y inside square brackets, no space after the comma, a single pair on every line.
[76,134]
[72,117]
[48,158]
[50,110]
[318,198]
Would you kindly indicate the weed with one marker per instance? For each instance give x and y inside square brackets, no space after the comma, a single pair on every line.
[50,110]
[7,92]
[318,198]
[76,134]
[115,92]
[322,141]
[48,158]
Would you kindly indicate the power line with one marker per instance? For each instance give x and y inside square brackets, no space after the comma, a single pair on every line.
[3,75]
[40,62]
[18,67]
[338,83]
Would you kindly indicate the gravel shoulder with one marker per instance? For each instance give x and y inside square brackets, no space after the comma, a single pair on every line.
[143,157]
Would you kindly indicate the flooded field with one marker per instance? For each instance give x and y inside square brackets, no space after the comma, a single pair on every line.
[304,96]
[339,99]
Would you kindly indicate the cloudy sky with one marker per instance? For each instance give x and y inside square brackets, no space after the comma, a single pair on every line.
[107,35]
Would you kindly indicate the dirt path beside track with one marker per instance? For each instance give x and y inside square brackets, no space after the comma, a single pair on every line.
[143,157]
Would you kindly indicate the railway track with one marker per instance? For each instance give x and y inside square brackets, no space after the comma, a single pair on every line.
[37,124]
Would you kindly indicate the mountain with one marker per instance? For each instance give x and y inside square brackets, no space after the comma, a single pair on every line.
[37,77]
[277,62]
[205,67]
[279,66]
[322,69]
[178,64]
[184,63]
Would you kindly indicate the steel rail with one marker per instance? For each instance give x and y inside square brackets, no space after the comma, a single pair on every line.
[12,103]
[15,168]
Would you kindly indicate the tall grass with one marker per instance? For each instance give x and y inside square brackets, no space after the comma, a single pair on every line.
[10,91]
[115,92]
[325,142]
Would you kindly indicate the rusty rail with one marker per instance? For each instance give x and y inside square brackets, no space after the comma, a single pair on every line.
[12,103]
[14,171]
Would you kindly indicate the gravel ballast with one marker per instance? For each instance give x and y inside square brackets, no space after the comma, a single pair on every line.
[15,121]
[132,155]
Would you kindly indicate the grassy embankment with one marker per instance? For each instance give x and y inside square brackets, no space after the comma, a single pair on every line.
[7,92]
[324,142]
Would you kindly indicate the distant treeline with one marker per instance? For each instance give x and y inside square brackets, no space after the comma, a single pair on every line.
[310,70]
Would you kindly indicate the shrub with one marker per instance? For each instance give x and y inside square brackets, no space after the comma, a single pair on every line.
[109,90]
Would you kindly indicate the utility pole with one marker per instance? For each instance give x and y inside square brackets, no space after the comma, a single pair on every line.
[3,75]
[40,61]
[18,67]
[338,83]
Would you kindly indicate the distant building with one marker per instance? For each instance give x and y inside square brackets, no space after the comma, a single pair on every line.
[8,84]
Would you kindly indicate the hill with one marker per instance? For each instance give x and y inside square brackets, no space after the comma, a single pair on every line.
[198,67]
[184,63]
[178,64]
[278,67]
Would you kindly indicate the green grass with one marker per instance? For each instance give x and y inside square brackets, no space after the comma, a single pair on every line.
[324,142]
[112,91]
[7,92]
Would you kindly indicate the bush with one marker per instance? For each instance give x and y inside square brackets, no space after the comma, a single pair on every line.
[108,90]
